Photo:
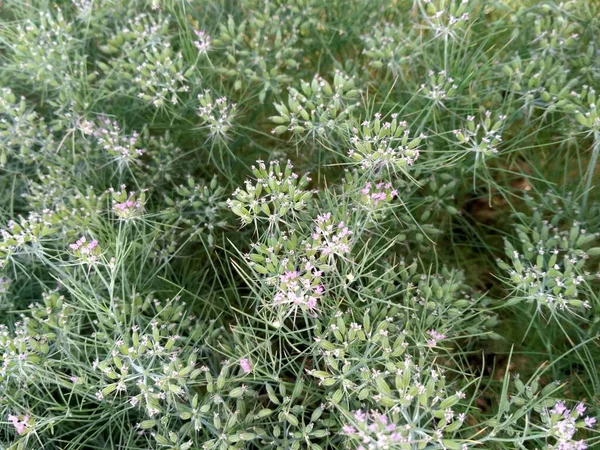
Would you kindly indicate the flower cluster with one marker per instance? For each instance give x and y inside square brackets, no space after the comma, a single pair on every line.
[86,251]
[42,49]
[156,350]
[402,406]
[378,194]
[20,128]
[435,337]
[439,88]
[217,115]
[299,290]
[160,77]
[385,145]
[483,138]
[446,18]
[84,7]
[21,350]
[378,199]
[293,271]
[202,43]
[195,210]
[294,264]
[556,33]
[373,430]
[144,64]
[319,108]
[22,424]
[390,46]
[25,236]
[108,135]
[587,116]
[562,423]
[277,194]
[128,205]
[256,52]
[138,32]
[548,266]
[547,285]
[330,238]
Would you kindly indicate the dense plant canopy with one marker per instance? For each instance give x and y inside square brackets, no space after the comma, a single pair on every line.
[299,224]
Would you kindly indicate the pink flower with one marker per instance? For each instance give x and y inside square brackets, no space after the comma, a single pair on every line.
[435,337]
[289,276]
[129,208]
[81,248]
[349,430]
[203,42]
[589,421]
[559,408]
[245,365]
[360,416]
[78,243]
[19,424]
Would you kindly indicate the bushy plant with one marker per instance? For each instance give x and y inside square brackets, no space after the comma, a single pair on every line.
[299,224]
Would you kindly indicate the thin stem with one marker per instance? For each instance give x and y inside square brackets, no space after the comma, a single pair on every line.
[591,170]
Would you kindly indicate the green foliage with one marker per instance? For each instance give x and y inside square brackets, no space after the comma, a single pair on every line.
[299,224]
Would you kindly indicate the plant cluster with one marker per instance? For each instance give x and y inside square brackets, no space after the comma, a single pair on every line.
[299,224]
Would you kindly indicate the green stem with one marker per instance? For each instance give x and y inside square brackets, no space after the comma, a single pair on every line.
[591,169]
